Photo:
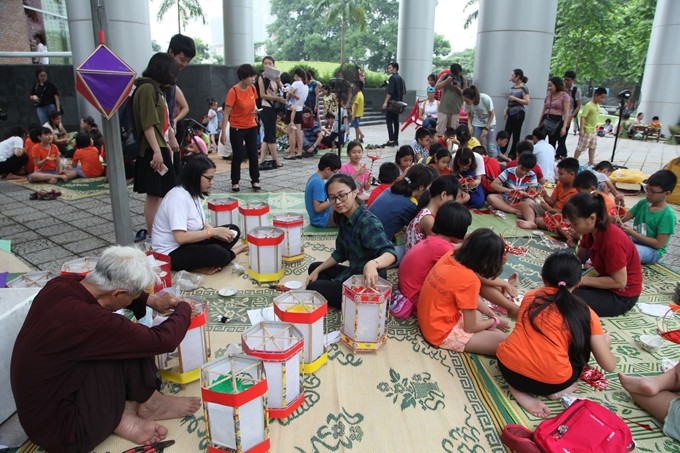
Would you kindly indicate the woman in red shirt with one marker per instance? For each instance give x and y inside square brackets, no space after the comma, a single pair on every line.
[556,108]
[239,113]
[619,282]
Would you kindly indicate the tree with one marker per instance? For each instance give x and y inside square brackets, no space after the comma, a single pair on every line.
[155,46]
[186,10]
[473,13]
[345,10]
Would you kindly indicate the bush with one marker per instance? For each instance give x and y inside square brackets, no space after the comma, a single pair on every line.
[305,67]
[375,79]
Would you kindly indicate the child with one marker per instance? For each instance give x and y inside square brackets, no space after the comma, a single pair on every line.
[448,307]
[639,118]
[624,126]
[468,164]
[448,139]
[88,157]
[607,128]
[442,189]
[358,111]
[586,181]
[211,127]
[330,103]
[502,140]
[589,116]
[388,173]
[318,207]
[654,220]
[421,144]
[553,339]
[357,170]
[197,145]
[528,146]
[47,160]
[447,232]
[563,191]
[658,395]
[404,158]
[464,139]
[655,124]
[545,154]
[602,170]
[441,161]
[517,180]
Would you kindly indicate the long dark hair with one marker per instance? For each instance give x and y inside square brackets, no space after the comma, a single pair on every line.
[345,179]
[464,156]
[191,174]
[583,205]
[562,270]
[442,184]
[416,176]
[482,251]
[162,69]
[472,92]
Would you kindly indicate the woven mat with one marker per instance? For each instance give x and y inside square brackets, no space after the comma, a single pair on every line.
[76,189]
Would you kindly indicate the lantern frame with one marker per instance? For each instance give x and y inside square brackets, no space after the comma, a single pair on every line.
[79,266]
[306,310]
[224,206]
[248,383]
[273,237]
[280,346]
[291,223]
[36,279]
[197,331]
[356,298]
[253,215]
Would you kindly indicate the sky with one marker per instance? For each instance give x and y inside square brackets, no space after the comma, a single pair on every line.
[449,20]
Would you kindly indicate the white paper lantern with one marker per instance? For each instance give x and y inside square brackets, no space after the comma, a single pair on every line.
[279,345]
[265,248]
[223,211]
[292,224]
[255,214]
[364,312]
[234,392]
[306,310]
[36,279]
[79,266]
[184,364]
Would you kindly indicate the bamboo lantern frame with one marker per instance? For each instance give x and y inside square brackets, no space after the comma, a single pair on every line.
[291,223]
[254,214]
[265,249]
[364,314]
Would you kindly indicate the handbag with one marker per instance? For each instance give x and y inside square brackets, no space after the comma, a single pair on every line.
[396,106]
[549,125]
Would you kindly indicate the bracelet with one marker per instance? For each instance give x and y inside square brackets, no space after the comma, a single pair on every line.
[209,233]
[496,322]
[376,263]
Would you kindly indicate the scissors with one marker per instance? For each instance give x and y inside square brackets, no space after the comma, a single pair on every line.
[157,447]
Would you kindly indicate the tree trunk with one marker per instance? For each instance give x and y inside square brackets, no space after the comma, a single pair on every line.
[179,17]
[343,27]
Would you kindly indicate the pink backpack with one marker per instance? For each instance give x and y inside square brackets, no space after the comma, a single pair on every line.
[584,427]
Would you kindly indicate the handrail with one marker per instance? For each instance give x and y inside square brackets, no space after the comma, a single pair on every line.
[22,54]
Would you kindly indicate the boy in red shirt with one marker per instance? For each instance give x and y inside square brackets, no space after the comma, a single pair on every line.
[88,157]
[388,173]
[47,160]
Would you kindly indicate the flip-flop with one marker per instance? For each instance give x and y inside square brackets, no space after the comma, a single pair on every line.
[140,236]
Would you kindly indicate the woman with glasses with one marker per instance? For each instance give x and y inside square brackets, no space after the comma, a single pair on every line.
[181,231]
[361,241]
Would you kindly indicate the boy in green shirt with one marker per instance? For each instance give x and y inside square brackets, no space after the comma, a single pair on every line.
[654,221]
[588,128]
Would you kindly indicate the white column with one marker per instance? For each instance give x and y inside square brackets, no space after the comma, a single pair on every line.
[659,94]
[514,34]
[82,45]
[239,45]
[415,41]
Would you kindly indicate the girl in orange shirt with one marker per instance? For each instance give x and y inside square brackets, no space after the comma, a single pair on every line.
[541,356]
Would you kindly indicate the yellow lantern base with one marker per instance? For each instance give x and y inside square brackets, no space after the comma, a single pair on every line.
[293,259]
[363,346]
[308,368]
[181,378]
[260,278]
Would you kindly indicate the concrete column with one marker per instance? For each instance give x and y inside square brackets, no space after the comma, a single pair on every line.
[517,34]
[239,44]
[659,94]
[415,41]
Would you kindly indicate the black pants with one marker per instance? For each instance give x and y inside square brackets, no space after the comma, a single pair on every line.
[244,146]
[513,126]
[392,126]
[533,387]
[325,285]
[554,138]
[604,302]
[13,164]
[209,253]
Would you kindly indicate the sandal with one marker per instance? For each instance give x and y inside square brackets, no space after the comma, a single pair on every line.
[140,236]
[299,156]
[279,164]
[235,188]
[289,157]
[256,186]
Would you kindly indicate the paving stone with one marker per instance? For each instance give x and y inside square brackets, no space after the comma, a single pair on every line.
[19,237]
[47,255]
[44,221]
[14,228]
[29,216]
[34,246]
[86,245]
[55,231]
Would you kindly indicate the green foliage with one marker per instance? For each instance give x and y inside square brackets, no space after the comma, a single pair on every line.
[344,12]
[204,55]
[186,10]
[474,13]
[155,46]
[465,58]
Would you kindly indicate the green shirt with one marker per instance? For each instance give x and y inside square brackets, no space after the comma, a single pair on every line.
[652,223]
[590,113]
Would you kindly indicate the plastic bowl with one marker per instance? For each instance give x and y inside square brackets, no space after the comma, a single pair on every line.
[650,343]
[227,292]
[293,284]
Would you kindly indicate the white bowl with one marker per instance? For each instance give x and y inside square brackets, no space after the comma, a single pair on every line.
[227,292]
[293,284]
[650,343]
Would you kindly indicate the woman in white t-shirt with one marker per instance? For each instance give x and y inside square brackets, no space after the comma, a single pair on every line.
[181,231]
[13,156]
[298,95]
[429,109]
[481,118]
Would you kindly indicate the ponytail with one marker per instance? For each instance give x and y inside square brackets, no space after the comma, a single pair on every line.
[472,92]
[583,205]
[519,73]
[416,176]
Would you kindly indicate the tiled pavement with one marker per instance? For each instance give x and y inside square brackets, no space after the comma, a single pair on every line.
[45,234]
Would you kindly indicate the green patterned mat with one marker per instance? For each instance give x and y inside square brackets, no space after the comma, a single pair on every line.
[75,189]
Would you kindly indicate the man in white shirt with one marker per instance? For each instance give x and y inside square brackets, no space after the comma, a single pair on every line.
[545,154]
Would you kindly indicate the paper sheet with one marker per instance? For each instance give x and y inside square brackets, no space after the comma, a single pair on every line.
[654,309]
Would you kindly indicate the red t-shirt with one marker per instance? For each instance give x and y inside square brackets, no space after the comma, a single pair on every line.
[418,262]
[612,250]
[89,158]
[537,169]
[492,169]
[375,193]
[28,146]
[242,105]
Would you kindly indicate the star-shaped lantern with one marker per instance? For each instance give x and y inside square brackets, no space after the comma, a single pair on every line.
[104,80]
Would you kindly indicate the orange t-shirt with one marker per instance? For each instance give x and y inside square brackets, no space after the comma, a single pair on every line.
[561,197]
[41,153]
[89,159]
[242,105]
[443,297]
[608,202]
[28,146]
[542,357]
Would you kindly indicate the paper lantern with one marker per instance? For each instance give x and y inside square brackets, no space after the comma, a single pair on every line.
[255,214]
[223,211]
[161,264]
[364,312]
[36,279]
[184,364]
[279,345]
[265,248]
[306,310]
[79,266]
[234,392]
[291,223]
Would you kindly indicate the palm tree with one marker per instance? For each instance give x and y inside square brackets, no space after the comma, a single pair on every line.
[186,10]
[473,14]
[345,10]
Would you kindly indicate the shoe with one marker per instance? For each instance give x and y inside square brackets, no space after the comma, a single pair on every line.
[299,156]
[141,235]
[256,186]
[235,188]
[278,164]
[289,157]
[306,154]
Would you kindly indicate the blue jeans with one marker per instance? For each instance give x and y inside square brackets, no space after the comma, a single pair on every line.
[490,142]
[430,123]
[648,255]
[45,112]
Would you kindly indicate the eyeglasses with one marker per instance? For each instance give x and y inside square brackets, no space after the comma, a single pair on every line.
[342,196]
[209,178]
[649,190]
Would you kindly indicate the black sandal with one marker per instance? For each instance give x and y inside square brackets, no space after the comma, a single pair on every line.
[235,188]
[256,186]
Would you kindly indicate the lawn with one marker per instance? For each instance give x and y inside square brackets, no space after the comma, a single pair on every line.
[325,69]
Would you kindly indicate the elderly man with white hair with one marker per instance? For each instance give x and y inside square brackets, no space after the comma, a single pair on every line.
[80,372]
